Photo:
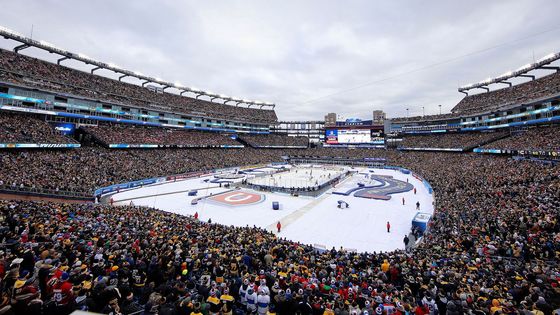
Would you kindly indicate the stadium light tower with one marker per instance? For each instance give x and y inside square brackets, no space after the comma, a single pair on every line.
[407,113]
[423,114]
[439,109]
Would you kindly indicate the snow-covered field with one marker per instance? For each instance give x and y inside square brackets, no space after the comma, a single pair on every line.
[310,220]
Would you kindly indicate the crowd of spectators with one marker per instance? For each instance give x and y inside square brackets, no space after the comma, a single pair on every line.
[492,248]
[274,140]
[127,134]
[27,71]
[87,168]
[17,128]
[450,140]
[543,87]
[537,138]
[84,169]
[425,118]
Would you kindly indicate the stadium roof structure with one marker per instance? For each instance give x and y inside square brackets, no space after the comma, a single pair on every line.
[29,42]
[521,72]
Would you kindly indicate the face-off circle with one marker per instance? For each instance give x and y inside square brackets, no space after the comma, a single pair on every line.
[237,198]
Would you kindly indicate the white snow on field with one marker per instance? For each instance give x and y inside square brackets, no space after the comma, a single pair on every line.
[309,220]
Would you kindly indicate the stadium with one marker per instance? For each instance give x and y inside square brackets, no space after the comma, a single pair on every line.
[125,193]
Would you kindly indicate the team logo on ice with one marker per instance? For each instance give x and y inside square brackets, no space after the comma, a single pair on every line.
[238,198]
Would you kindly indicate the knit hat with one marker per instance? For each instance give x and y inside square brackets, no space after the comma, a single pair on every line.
[65,276]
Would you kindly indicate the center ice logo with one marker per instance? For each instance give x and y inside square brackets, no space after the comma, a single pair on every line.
[238,198]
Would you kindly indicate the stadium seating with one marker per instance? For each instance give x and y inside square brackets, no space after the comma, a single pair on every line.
[538,139]
[114,134]
[450,140]
[491,248]
[426,118]
[26,71]
[272,140]
[84,169]
[17,128]
[492,245]
[540,88]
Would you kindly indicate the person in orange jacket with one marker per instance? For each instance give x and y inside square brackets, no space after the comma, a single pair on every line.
[279,226]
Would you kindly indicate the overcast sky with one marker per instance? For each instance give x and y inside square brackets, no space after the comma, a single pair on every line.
[308,57]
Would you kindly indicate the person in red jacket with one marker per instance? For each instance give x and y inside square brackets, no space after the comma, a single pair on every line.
[196,215]
[63,295]
[388,227]
[278,226]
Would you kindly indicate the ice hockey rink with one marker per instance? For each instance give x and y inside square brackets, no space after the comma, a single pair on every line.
[310,220]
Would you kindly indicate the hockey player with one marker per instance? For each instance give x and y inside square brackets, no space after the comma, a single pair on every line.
[417,205]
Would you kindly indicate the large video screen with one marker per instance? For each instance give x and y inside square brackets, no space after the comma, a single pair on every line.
[335,136]
[354,136]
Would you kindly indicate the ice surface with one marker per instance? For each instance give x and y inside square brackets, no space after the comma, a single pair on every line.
[307,176]
[306,219]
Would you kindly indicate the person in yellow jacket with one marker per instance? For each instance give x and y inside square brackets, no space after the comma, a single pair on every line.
[328,311]
[495,306]
[227,302]
[214,302]
[385,266]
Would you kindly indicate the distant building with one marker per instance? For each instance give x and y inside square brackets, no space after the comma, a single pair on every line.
[330,119]
[379,117]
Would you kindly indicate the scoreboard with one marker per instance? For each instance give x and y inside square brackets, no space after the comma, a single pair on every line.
[354,136]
